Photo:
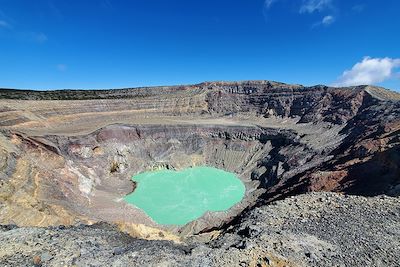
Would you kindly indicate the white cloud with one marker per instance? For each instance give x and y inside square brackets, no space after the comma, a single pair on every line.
[37,37]
[32,36]
[106,4]
[4,24]
[328,20]
[369,71]
[62,67]
[268,3]
[359,8]
[307,6]
[310,6]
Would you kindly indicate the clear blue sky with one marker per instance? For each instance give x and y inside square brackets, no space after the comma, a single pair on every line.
[115,43]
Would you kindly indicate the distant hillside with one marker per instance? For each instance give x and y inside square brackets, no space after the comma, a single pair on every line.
[126,93]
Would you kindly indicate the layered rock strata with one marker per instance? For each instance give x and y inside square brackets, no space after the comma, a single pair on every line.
[67,157]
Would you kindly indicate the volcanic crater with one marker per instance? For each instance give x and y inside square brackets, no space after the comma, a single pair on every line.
[67,157]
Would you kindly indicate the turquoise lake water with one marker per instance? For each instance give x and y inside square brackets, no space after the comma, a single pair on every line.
[178,197]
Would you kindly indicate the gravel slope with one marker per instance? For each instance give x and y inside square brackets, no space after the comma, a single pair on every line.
[316,229]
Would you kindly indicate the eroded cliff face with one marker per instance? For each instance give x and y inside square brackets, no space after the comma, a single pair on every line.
[68,157]
[88,175]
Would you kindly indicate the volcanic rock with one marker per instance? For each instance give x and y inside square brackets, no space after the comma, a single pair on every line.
[67,158]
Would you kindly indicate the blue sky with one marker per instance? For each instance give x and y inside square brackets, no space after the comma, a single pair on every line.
[114,43]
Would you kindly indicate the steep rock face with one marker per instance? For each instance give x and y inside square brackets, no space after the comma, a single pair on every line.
[365,163]
[313,104]
[88,175]
[68,156]
[263,98]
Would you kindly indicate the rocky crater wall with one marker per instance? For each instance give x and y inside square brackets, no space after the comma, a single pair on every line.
[88,175]
[68,157]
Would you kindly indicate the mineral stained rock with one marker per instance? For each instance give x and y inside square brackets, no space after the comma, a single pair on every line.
[67,158]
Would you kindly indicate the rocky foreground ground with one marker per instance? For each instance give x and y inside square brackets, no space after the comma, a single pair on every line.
[315,229]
